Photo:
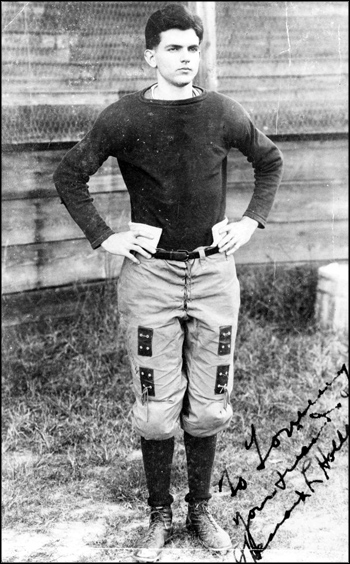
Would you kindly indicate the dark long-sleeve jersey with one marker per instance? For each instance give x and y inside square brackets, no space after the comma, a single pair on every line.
[172,156]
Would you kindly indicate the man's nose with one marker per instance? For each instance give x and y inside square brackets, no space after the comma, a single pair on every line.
[185,56]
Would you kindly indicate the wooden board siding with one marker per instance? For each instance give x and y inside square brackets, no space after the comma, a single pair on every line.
[41,265]
[45,219]
[42,247]
[54,264]
[28,174]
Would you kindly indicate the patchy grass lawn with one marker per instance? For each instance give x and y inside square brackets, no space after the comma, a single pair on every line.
[73,483]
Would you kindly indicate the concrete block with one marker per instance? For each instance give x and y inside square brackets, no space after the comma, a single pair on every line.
[332,300]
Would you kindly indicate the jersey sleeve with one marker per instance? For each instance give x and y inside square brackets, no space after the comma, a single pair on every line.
[72,176]
[265,157]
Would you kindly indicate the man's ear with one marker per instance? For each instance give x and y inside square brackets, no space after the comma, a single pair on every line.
[150,59]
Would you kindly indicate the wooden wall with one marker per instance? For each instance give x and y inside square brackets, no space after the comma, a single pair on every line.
[42,246]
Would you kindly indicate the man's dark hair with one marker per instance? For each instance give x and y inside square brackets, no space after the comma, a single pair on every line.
[172,16]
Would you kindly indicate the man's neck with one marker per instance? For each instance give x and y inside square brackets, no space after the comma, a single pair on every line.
[165,91]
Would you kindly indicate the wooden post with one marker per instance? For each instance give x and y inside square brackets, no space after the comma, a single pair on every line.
[207,76]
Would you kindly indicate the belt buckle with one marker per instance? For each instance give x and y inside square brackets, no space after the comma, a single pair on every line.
[185,253]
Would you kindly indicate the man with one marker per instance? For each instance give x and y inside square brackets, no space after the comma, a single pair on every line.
[178,291]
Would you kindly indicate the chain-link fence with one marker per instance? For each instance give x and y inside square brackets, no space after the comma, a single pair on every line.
[63,62]
[287,62]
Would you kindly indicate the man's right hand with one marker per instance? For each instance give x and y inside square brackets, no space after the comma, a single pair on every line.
[126,241]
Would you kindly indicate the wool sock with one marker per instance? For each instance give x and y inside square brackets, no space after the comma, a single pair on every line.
[200,453]
[157,462]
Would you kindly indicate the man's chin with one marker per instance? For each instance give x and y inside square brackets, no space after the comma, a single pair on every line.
[182,83]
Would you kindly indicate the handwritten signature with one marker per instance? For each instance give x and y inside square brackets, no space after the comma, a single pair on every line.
[323,460]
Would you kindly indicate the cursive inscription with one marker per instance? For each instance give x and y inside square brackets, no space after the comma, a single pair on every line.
[303,458]
[275,442]
[324,463]
[241,485]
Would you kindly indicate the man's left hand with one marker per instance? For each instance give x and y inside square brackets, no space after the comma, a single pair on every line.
[236,234]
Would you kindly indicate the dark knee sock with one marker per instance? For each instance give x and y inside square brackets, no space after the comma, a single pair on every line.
[200,453]
[157,462]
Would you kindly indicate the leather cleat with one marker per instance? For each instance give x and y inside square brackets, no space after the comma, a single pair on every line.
[202,523]
[159,533]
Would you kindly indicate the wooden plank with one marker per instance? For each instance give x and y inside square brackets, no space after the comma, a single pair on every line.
[309,94]
[297,242]
[29,174]
[294,202]
[303,161]
[45,304]
[46,219]
[259,66]
[316,160]
[51,92]
[27,267]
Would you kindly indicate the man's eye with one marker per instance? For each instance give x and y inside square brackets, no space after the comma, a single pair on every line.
[194,49]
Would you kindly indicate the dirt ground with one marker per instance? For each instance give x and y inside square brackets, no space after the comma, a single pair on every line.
[317,531]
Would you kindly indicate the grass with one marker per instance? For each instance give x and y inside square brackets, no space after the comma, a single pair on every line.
[67,439]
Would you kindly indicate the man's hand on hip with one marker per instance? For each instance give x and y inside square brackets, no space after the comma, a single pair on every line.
[236,234]
[126,241]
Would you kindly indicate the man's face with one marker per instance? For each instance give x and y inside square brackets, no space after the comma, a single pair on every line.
[176,58]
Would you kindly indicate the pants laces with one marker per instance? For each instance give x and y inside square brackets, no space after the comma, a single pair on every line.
[144,398]
[224,391]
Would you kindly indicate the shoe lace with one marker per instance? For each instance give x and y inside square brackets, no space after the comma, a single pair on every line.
[204,509]
[151,533]
[158,517]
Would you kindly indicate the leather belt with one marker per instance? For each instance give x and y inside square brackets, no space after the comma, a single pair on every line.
[183,255]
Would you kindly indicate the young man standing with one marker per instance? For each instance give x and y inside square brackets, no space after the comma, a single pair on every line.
[178,293]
